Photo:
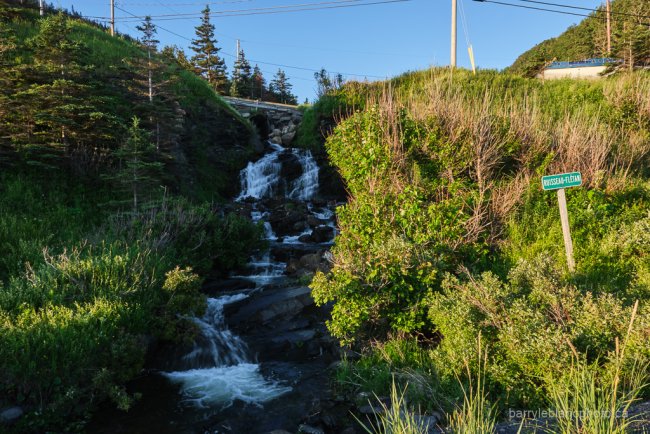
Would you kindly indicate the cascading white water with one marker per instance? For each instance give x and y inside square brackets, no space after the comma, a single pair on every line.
[261,179]
[305,187]
[221,370]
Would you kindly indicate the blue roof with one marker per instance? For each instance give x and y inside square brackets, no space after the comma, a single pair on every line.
[581,63]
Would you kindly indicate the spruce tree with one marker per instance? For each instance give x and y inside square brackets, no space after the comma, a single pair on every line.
[240,84]
[280,88]
[150,43]
[8,76]
[258,84]
[137,171]
[206,61]
[176,55]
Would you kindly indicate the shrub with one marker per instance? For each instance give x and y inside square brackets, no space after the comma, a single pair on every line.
[535,324]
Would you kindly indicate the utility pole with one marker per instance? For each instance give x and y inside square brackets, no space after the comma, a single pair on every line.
[454,24]
[238,50]
[41,3]
[609,28]
[112,17]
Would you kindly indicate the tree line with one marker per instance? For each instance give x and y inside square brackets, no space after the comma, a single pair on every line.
[245,81]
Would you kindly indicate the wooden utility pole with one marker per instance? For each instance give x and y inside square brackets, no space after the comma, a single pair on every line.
[238,49]
[454,25]
[609,28]
[112,17]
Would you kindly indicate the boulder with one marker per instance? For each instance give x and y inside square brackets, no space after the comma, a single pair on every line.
[288,138]
[11,414]
[300,226]
[311,261]
[314,221]
[306,429]
[322,234]
[306,238]
[282,221]
[291,167]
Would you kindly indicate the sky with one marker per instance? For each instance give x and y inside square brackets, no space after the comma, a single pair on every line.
[364,42]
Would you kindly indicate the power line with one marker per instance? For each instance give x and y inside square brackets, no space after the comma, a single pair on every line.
[189,4]
[582,8]
[279,65]
[255,9]
[551,10]
[270,10]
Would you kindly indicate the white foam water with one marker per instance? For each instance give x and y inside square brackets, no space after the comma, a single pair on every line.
[261,179]
[221,371]
[223,385]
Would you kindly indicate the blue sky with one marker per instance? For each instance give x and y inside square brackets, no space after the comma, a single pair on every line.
[368,41]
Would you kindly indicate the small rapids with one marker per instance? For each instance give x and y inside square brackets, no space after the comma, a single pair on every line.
[218,368]
[221,370]
[263,178]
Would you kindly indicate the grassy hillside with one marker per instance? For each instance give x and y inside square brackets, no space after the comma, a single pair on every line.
[630,40]
[109,215]
[201,140]
[448,245]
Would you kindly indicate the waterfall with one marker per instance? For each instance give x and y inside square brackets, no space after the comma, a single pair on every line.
[261,179]
[221,371]
[218,368]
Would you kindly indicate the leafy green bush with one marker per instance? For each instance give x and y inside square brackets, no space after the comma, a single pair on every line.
[395,237]
[536,323]
[74,325]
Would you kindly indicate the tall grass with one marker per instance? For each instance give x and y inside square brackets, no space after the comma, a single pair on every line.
[592,402]
[395,418]
[476,415]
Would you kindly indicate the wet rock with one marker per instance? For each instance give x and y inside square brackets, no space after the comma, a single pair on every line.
[314,221]
[300,226]
[283,221]
[429,423]
[11,415]
[272,305]
[306,238]
[291,167]
[279,431]
[288,138]
[349,430]
[295,337]
[311,261]
[322,234]
[371,409]
[306,429]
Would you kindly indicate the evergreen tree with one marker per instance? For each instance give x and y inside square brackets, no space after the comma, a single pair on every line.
[280,88]
[150,43]
[8,76]
[240,84]
[58,116]
[258,84]
[206,61]
[137,170]
[176,55]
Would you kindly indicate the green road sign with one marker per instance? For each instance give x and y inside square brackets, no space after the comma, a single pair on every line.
[563,180]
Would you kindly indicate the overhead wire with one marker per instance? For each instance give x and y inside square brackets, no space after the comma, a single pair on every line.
[576,14]
[279,65]
[271,11]
[559,5]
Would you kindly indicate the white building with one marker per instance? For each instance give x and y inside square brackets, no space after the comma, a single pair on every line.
[590,68]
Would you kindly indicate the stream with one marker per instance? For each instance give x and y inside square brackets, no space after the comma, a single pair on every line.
[261,360]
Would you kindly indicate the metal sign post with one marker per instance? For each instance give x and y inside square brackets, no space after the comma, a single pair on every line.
[559,183]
